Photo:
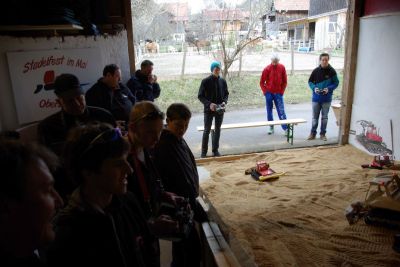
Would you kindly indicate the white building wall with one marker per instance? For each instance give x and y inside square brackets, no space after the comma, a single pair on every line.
[321,33]
[377,93]
[325,39]
[113,49]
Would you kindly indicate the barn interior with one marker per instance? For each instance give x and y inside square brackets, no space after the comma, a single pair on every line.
[297,219]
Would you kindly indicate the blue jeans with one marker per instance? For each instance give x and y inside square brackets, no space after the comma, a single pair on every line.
[318,108]
[280,108]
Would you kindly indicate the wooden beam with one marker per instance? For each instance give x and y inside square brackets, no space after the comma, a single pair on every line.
[129,35]
[350,65]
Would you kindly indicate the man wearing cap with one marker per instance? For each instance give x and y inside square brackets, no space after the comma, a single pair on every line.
[273,84]
[213,93]
[53,130]
[109,93]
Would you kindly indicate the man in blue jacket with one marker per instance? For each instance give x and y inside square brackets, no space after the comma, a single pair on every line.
[322,82]
[143,84]
[213,93]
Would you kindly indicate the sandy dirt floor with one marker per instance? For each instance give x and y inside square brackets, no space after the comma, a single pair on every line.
[298,220]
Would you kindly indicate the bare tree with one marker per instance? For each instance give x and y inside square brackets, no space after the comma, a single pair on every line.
[231,42]
[150,20]
[340,30]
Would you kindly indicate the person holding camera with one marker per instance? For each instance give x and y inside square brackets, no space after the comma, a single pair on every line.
[273,84]
[159,205]
[322,82]
[143,84]
[176,162]
[213,93]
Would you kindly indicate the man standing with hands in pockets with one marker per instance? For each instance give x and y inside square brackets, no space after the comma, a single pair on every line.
[273,84]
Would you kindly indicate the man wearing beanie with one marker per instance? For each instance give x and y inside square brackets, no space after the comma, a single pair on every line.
[213,93]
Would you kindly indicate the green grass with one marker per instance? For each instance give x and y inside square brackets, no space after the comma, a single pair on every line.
[244,92]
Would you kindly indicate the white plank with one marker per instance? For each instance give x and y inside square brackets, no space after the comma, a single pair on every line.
[255,124]
[40,27]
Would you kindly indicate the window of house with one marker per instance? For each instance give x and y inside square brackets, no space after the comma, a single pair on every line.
[332,23]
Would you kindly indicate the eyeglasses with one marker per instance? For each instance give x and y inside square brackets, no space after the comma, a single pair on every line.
[107,136]
[149,116]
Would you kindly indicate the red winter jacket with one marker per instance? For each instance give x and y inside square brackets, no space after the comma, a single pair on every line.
[273,79]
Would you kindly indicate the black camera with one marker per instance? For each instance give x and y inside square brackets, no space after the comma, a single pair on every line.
[183,214]
[220,109]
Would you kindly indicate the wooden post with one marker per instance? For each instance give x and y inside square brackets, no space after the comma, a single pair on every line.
[183,61]
[350,65]
[240,62]
[292,57]
[129,35]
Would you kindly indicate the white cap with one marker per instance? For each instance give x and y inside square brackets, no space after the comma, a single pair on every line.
[274,57]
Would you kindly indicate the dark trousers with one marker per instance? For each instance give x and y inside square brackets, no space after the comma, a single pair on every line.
[187,253]
[208,118]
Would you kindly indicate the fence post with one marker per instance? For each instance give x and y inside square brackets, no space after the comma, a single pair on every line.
[292,58]
[240,63]
[183,61]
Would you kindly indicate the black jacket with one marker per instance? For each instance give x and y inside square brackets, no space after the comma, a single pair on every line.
[53,130]
[176,163]
[154,185]
[119,101]
[142,89]
[87,237]
[213,90]
[11,261]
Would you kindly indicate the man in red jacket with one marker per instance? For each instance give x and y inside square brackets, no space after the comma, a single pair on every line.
[273,83]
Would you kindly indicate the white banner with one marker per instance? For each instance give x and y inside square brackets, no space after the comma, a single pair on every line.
[33,73]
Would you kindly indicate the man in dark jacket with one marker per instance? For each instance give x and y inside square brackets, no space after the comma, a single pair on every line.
[143,83]
[53,130]
[213,93]
[109,93]
[322,82]
[175,161]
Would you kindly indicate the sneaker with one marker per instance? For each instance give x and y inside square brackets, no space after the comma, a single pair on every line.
[216,154]
[323,137]
[271,130]
[311,137]
[203,155]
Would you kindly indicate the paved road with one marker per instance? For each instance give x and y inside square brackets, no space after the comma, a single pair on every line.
[171,64]
[245,140]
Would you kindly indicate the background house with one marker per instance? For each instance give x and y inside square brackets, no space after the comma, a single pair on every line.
[225,21]
[178,18]
[323,28]
[282,11]
[327,22]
